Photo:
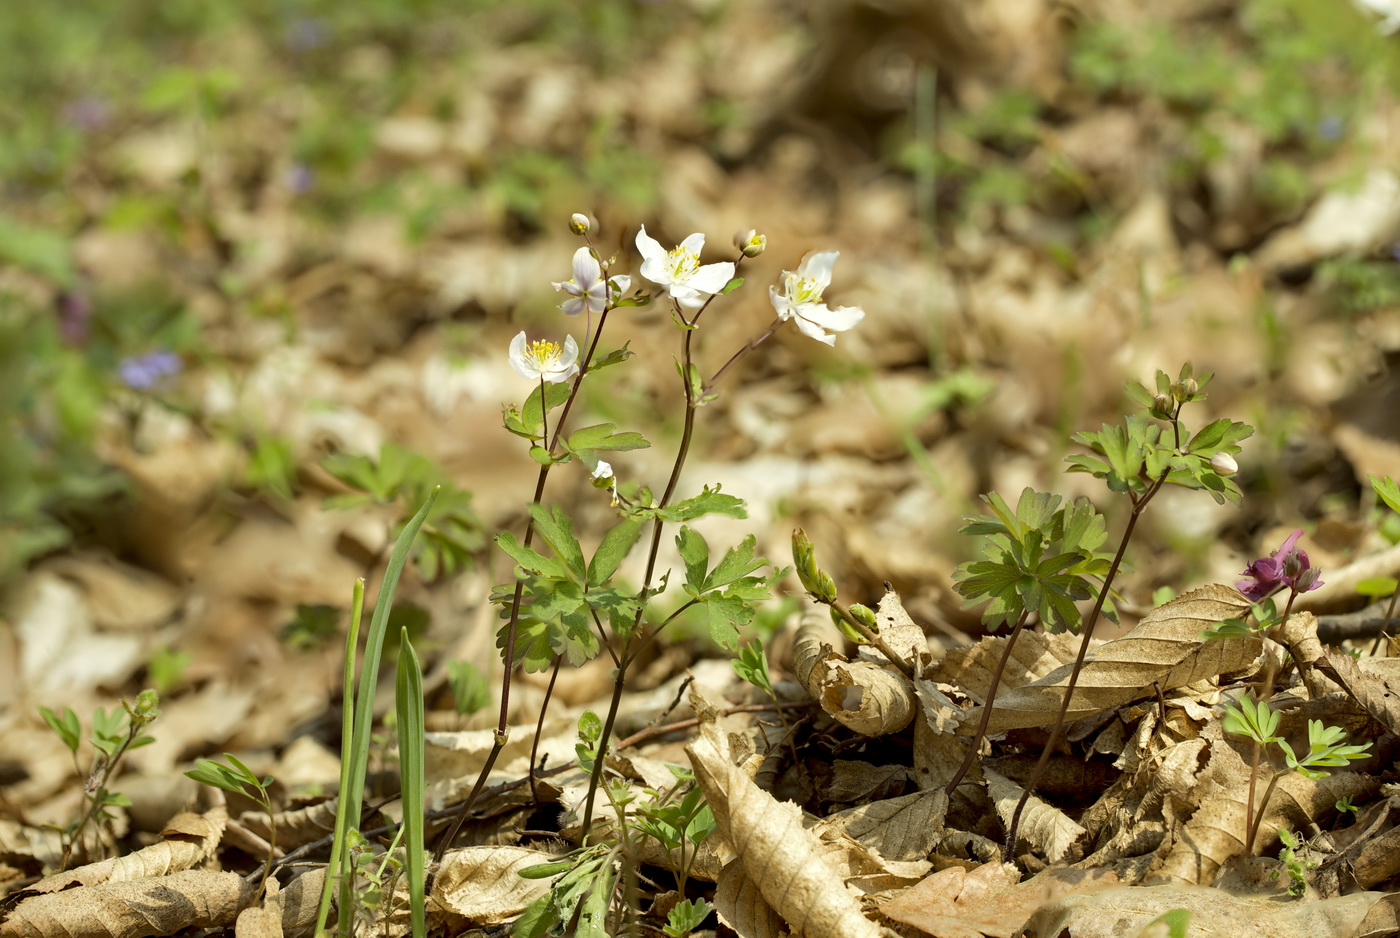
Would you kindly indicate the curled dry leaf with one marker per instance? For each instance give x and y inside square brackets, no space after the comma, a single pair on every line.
[189,839]
[1046,827]
[1215,913]
[297,827]
[1165,649]
[483,885]
[263,920]
[158,905]
[776,852]
[866,697]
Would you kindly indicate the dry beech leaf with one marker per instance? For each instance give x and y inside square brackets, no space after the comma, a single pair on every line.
[899,631]
[1046,827]
[295,828]
[189,839]
[1165,649]
[1372,683]
[775,850]
[904,828]
[742,907]
[937,757]
[1215,913]
[263,920]
[1034,655]
[870,699]
[954,903]
[300,903]
[160,905]
[482,884]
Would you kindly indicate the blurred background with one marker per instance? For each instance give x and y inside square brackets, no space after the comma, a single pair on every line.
[260,262]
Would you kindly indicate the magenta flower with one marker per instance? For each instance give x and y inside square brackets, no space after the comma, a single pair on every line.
[1286,567]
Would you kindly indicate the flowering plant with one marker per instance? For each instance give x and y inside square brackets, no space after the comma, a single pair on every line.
[563,606]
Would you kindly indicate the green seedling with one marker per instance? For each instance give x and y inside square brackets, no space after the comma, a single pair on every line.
[114,734]
[238,779]
[1259,722]
[686,916]
[470,690]
[1297,862]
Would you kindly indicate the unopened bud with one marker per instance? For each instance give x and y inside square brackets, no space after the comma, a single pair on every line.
[1307,580]
[750,243]
[146,708]
[1185,389]
[846,628]
[865,616]
[826,588]
[1163,407]
[578,223]
[1224,464]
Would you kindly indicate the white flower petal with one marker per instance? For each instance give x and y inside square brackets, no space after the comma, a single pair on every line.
[586,267]
[649,246]
[817,267]
[621,284]
[809,328]
[693,244]
[518,361]
[837,320]
[712,277]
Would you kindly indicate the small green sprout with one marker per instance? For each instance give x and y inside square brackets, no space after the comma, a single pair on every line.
[238,779]
[686,916]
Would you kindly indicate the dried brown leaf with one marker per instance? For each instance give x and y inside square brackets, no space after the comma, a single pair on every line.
[869,698]
[483,885]
[1034,655]
[1373,683]
[1165,649]
[742,907]
[189,839]
[954,903]
[1046,827]
[1215,913]
[160,905]
[297,827]
[1215,832]
[904,828]
[776,851]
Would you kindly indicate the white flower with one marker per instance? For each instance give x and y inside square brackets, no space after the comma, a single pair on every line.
[588,290]
[801,299]
[1389,9]
[603,471]
[544,360]
[1224,464]
[679,270]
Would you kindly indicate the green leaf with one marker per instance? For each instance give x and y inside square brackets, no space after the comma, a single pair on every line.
[612,550]
[557,529]
[615,357]
[66,727]
[708,502]
[603,436]
[695,553]
[408,699]
[727,614]
[1377,586]
[1387,490]
[529,559]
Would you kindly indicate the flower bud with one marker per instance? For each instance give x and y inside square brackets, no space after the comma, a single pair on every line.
[1224,464]
[1307,580]
[750,243]
[846,628]
[826,588]
[578,223]
[1163,407]
[146,708]
[804,559]
[865,616]
[1185,389]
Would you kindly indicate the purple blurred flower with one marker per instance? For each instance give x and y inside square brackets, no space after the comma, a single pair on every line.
[88,113]
[300,178]
[1286,567]
[143,372]
[305,34]
[1330,128]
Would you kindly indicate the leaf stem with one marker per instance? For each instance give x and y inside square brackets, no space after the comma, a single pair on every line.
[972,752]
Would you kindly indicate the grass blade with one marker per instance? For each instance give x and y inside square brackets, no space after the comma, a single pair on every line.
[409,704]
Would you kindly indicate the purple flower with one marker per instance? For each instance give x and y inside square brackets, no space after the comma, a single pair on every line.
[143,372]
[1288,566]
